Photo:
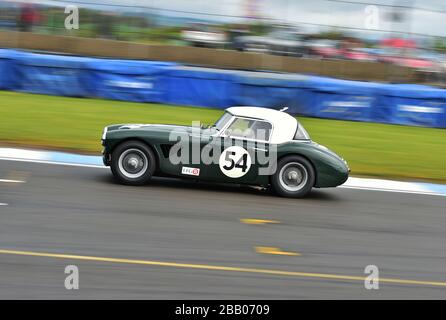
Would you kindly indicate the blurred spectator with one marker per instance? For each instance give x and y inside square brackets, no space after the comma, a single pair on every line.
[28,17]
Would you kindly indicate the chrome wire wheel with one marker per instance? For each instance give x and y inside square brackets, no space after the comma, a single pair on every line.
[293,176]
[133,163]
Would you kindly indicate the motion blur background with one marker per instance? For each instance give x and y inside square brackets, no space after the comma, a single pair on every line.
[409,33]
[379,65]
[364,77]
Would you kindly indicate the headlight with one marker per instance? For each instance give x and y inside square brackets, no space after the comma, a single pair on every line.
[104,133]
[346,164]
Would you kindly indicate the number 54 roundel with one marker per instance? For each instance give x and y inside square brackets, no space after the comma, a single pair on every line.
[235,162]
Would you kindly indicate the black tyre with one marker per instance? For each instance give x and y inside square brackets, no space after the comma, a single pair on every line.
[133,163]
[294,177]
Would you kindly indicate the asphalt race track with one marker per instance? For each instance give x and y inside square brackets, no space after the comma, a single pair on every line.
[185,240]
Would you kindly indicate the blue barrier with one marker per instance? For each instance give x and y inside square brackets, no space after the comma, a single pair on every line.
[165,82]
[341,99]
[201,87]
[261,89]
[8,80]
[410,104]
[51,74]
[137,81]
[5,73]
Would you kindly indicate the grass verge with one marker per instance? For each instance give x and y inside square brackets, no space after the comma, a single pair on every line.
[76,124]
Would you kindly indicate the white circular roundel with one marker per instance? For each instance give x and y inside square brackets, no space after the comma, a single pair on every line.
[235,162]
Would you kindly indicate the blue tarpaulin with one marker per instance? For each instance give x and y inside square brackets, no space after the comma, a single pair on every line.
[51,74]
[410,104]
[165,82]
[5,70]
[8,79]
[201,87]
[341,99]
[271,90]
[138,81]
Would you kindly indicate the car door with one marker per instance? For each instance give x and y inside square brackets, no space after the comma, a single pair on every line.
[242,148]
[198,140]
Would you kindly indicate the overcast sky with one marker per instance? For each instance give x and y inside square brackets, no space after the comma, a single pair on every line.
[307,12]
[324,12]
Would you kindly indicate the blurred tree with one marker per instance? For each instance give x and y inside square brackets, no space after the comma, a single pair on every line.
[440,44]
[259,27]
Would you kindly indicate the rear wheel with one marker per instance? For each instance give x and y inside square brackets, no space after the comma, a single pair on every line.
[133,163]
[294,177]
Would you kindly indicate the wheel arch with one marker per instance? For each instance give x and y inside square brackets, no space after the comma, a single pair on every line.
[149,145]
[303,156]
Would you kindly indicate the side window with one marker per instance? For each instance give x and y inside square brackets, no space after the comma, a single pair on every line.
[262,130]
[301,133]
[240,128]
[249,129]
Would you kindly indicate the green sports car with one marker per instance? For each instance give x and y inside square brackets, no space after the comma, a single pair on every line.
[247,145]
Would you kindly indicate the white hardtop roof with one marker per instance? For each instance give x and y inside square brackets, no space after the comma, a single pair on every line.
[284,125]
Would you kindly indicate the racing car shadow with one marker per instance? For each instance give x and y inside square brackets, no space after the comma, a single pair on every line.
[186,184]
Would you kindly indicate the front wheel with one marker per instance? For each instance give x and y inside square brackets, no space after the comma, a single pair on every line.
[133,163]
[294,177]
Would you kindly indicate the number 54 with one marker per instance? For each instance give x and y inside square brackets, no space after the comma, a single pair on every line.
[240,163]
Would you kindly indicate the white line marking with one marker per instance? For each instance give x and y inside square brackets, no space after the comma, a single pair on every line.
[426,193]
[3,204]
[368,184]
[56,163]
[22,153]
[11,181]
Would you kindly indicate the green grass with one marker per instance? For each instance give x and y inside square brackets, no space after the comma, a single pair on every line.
[76,124]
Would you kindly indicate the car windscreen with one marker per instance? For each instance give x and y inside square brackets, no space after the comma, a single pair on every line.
[222,121]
